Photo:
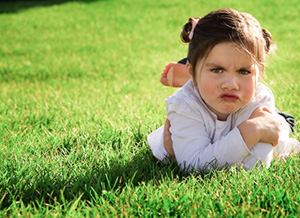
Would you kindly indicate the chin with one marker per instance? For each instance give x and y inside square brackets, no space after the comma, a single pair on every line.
[229,108]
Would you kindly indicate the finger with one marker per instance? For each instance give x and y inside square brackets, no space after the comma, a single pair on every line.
[266,109]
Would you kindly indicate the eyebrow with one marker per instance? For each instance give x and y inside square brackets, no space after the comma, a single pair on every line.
[213,65]
[220,66]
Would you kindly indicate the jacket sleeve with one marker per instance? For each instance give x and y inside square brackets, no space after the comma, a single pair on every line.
[193,147]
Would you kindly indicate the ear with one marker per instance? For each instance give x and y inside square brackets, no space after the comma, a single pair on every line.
[189,68]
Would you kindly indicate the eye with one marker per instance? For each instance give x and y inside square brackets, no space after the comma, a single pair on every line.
[218,70]
[244,72]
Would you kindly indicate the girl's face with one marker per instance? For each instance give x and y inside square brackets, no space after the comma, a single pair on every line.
[226,79]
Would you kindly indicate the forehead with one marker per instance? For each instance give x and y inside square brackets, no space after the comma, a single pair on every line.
[229,54]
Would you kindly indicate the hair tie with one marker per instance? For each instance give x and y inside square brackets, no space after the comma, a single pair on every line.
[194,24]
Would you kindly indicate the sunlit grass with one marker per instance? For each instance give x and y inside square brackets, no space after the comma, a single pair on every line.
[80,92]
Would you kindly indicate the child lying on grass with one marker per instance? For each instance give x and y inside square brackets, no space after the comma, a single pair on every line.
[224,115]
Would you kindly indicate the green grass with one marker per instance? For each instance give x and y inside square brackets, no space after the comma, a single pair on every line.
[80,92]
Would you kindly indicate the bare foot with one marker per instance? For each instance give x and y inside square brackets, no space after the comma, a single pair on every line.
[175,75]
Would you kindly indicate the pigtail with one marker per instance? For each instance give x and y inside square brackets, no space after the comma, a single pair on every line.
[270,45]
[186,30]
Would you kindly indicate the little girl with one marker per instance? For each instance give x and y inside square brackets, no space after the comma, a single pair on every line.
[224,116]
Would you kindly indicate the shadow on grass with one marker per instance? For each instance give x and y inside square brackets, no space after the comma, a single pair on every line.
[94,182]
[13,6]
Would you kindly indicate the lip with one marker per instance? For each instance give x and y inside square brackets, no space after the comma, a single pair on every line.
[229,97]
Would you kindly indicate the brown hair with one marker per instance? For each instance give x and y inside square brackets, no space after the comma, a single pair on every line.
[227,25]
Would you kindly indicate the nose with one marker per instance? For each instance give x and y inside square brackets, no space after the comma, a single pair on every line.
[230,82]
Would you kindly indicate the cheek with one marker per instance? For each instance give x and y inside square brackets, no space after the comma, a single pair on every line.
[250,88]
[206,86]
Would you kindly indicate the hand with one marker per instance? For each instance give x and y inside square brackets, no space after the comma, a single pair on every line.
[262,126]
[168,144]
[268,125]
[260,112]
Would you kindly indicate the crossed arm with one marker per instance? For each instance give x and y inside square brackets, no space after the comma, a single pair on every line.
[262,126]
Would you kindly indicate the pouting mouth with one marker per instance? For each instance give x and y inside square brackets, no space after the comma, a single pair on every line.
[229,97]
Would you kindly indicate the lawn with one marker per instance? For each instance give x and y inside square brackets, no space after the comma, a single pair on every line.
[80,92]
